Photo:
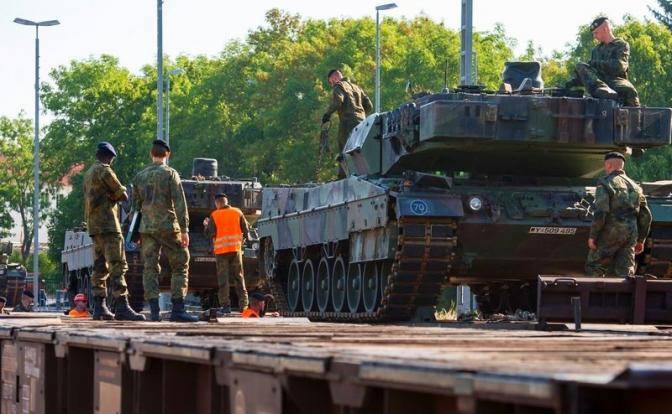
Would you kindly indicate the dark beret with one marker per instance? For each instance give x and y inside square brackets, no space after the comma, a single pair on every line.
[597,22]
[614,154]
[29,294]
[258,296]
[220,195]
[107,147]
[161,143]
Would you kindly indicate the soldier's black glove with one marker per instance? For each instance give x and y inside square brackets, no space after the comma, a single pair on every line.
[325,118]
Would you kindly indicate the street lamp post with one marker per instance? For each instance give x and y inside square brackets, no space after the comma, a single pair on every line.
[36,153]
[177,71]
[380,8]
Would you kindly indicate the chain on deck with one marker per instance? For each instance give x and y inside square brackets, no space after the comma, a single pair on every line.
[424,254]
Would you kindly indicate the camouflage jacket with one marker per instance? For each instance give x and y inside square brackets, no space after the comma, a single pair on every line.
[102,190]
[350,101]
[611,60]
[158,194]
[618,200]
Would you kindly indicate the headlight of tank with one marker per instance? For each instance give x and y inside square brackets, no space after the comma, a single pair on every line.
[475,203]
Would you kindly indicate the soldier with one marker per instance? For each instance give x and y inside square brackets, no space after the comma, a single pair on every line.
[158,195]
[621,222]
[351,103]
[606,74]
[227,226]
[26,304]
[102,192]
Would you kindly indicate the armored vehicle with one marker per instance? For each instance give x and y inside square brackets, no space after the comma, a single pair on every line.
[459,187]
[12,276]
[200,191]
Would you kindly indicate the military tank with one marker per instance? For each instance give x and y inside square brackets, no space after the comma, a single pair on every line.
[12,275]
[200,190]
[489,189]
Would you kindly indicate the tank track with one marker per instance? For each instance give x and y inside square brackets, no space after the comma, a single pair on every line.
[658,254]
[424,255]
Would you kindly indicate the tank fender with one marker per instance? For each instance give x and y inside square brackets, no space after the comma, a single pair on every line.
[429,206]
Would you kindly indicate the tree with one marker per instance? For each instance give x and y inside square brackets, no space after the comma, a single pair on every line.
[664,16]
[16,176]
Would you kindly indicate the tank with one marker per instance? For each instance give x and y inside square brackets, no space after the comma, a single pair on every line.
[12,275]
[200,190]
[459,187]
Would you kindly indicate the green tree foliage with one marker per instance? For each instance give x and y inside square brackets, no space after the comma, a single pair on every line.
[664,15]
[16,178]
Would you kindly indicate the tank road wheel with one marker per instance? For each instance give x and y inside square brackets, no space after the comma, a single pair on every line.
[384,272]
[354,287]
[293,286]
[323,282]
[338,282]
[308,285]
[268,258]
[370,287]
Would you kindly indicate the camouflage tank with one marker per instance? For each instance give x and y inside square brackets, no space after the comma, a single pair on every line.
[200,191]
[12,276]
[461,187]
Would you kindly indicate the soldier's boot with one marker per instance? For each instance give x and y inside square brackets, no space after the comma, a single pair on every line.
[100,310]
[154,310]
[124,312]
[179,314]
[604,92]
[224,311]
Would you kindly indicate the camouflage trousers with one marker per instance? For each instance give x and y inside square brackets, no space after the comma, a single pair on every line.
[230,269]
[109,262]
[627,93]
[178,259]
[615,254]
[345,127]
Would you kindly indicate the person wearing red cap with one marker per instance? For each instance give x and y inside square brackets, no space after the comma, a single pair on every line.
[80,310]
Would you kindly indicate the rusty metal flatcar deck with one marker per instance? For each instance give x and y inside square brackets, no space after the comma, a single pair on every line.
[294,366]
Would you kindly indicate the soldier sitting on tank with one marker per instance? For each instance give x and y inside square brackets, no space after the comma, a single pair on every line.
[351,103]
[621,222]
[606,73]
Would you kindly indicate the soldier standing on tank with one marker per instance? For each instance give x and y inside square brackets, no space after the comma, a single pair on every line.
[158,195]
[102,192]
[606,74]
[227,226]
[621,222]
[351,103]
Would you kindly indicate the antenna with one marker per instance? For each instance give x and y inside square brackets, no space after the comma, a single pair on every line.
[445,78]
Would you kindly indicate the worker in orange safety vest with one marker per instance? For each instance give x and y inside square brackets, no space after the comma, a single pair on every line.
[227,226]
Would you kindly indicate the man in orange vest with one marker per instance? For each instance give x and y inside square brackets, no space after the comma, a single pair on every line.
[257,308]
[80,310]
[227,226]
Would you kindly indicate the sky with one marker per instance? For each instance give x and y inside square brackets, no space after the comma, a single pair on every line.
[127,28]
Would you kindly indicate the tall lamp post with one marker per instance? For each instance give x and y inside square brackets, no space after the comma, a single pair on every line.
[380,8]
[36,154]
[177,71]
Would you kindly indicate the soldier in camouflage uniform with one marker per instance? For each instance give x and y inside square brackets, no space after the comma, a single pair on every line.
[606,74]
[621,222]
[158,195]
[351,103]
[102,192]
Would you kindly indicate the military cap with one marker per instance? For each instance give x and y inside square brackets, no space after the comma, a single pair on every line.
[107,147]
[161,143]
[29,294]
[258,296]
[221,195]
[597,22]
[614,154]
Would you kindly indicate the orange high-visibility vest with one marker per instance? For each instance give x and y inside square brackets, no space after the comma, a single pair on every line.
[229,235]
